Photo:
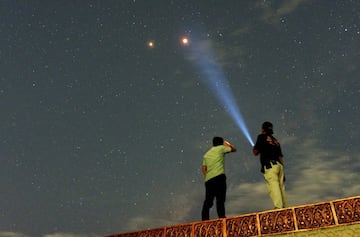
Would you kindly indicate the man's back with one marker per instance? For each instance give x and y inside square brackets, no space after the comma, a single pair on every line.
[214,161]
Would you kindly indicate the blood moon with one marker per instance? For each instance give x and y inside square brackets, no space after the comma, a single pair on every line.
[185,41]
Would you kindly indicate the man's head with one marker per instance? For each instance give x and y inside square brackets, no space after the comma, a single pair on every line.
[217,141]
[267,127]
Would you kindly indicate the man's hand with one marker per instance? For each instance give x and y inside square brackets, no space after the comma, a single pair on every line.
[226,143]
[255,152]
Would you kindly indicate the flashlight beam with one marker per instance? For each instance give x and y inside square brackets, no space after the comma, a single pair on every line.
[216,80]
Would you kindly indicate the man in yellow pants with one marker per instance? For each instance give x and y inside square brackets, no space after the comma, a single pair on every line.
[272,164]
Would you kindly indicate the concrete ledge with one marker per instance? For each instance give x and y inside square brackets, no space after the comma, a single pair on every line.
[341,216]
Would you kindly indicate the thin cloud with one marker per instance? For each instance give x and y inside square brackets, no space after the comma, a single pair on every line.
[12,234]
[272,14]
[323,169]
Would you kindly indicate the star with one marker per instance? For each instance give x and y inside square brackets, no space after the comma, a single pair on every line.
[151,44]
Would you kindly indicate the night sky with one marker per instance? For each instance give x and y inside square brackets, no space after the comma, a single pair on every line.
[106,113]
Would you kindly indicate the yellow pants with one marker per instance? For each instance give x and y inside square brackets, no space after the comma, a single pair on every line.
[274,178]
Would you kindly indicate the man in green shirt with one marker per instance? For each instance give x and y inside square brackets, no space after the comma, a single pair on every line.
[215,180]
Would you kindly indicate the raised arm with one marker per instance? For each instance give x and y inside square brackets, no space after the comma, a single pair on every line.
[226,143]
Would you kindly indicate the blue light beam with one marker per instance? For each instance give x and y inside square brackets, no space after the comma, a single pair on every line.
[219,85]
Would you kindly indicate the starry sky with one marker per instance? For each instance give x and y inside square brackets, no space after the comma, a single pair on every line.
[105,112]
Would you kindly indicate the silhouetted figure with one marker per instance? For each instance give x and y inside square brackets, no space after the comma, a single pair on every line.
[215,180]
[272,164]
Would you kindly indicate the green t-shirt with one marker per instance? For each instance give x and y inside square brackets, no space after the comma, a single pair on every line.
[214,161]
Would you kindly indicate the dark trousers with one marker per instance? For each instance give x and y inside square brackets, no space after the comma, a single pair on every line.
[214,188]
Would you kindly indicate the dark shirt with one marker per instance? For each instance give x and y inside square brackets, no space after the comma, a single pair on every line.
[269,149]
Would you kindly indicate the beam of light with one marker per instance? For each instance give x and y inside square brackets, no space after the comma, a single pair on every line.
[219,85]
